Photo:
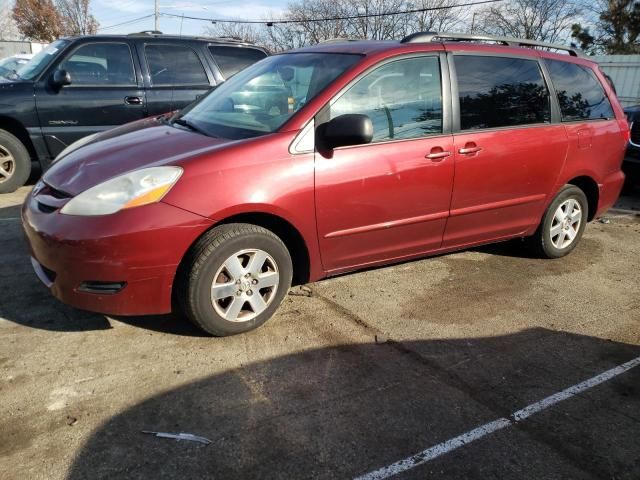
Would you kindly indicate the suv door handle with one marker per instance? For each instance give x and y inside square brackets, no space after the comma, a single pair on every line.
[133,100]
[469,148]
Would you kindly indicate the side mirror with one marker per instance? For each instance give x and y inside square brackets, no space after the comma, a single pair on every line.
[60,78]
[345,130]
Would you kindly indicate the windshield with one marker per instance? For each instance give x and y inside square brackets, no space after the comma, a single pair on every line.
[39,62]
[260,99]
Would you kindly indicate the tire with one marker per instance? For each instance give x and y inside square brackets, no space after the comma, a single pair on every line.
[15,163]
[551,244]
[218,264]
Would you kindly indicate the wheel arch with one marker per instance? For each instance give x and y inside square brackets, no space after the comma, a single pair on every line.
[590,188]
[15,128]
[285,230]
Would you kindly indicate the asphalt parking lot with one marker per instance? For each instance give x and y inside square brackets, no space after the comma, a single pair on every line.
[353,376]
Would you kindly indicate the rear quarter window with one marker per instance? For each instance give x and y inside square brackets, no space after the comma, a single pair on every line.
[231,60]
[580,94]
[174,65]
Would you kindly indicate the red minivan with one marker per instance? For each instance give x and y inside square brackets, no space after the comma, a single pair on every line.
[328,159]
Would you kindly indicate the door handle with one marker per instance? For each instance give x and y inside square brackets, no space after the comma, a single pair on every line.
[469,148]
[438,155]
[133,100]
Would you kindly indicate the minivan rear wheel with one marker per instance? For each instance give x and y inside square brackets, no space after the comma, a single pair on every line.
[234,279]
[15,163]
[563,223]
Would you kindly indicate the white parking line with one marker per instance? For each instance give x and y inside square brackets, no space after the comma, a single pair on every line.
[477,433]
[9,219]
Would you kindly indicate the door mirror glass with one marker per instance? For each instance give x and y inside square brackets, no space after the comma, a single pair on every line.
[61,78]
[345,130]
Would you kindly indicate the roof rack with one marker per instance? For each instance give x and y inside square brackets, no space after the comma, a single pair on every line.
[146,32]
[338,40]
[425,37]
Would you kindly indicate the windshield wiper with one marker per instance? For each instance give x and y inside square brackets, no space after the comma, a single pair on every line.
[186,123]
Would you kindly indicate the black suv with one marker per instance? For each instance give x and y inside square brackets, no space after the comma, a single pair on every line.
[83,85]
[631,163]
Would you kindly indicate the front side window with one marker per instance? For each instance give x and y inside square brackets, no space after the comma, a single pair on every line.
[171,65]
[403,99]
[261,98]
[101,64]
[39,62]
[233,59]
[580,94]
[500,92]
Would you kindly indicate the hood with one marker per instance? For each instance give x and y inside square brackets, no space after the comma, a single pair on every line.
[147,143]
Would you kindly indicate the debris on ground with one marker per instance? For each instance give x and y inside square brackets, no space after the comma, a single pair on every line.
[301,291]
[380,339]
[71,421]
[604,220]
[180,436]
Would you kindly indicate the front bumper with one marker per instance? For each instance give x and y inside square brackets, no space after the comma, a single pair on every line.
[138,250]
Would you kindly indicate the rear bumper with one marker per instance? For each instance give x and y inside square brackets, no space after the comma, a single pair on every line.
[136,250]
[609,192]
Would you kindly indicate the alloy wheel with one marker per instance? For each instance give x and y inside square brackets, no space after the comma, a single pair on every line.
[7,164]
[566,223]
[245,285]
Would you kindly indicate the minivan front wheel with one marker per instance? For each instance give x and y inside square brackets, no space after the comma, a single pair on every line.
[15,163]
[563,223]
[234,279]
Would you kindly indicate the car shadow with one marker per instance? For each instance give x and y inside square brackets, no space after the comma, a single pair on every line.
[342,411]
[26,301]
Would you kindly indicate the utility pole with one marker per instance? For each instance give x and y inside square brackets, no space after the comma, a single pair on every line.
[157,15]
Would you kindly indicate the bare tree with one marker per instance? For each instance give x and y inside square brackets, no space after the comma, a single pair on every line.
[37,19]
[544,20]
[447,18]
[245,32]
[76,17]
[360,19]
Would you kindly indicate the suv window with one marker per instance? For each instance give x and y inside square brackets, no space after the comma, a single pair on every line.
[101,64]
[174,65]
[500,92]
[233,59]
[580,94]
[403,99]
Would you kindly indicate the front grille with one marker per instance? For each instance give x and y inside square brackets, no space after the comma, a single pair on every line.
[44,208]
[49,199]
[635,133]
[54,192]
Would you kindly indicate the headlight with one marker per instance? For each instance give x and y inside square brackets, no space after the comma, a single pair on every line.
[133,189]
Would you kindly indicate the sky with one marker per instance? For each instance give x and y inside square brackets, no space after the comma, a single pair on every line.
[113,12]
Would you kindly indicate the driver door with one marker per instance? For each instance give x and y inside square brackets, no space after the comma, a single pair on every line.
[105,92]
[388,199]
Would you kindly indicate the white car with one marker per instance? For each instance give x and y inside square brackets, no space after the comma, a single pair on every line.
[11,64]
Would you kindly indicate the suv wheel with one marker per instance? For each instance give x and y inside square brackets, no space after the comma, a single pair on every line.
[563,223]
[234,279]
[15,163]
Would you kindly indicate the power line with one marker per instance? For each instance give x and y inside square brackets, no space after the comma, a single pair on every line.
[135,20]
[328,19]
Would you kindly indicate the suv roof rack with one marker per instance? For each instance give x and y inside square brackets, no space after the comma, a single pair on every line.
[425,37]
[146,32]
